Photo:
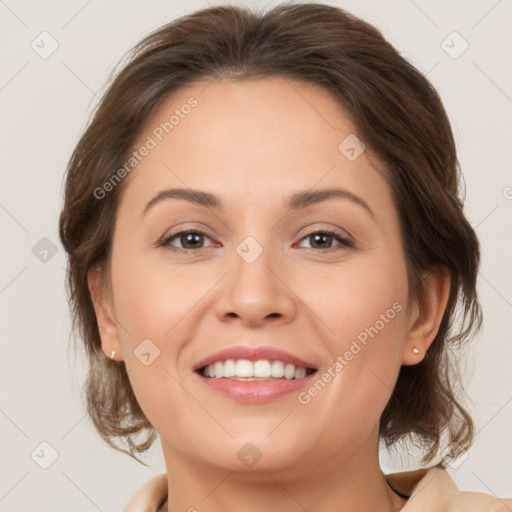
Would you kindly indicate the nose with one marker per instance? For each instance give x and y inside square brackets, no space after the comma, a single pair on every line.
[255,293]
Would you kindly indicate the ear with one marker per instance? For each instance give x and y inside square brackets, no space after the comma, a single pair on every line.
[101,299]
[425,316]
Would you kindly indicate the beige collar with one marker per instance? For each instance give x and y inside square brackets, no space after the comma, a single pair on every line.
[429,490]
[433,490]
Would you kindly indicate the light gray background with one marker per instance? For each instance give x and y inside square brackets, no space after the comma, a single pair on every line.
[45,105]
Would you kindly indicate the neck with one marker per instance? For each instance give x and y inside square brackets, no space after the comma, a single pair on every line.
[334,484]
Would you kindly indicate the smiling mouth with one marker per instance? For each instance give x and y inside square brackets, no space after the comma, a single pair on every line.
[261,370]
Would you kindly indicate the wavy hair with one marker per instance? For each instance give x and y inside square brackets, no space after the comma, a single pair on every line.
[398,114]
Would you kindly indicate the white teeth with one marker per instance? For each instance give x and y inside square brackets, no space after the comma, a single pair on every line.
[229,368]
[263,369]
[289,371]
[300,373]
[277,369]
[244,368]
[219,370]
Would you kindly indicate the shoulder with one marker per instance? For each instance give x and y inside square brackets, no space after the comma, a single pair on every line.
[434,489]
[149,496]
[479,502]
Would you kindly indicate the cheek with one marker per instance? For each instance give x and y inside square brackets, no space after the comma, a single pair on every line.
[364,309]
[152,305]
[356,299]
[150,300]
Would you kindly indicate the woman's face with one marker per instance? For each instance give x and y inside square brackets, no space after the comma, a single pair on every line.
[259,272]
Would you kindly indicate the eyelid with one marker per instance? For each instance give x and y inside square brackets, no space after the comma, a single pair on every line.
[344,239]
[342,233]
[165,240]
[185,229]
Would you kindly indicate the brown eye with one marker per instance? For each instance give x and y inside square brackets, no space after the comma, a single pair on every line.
[189,240]
[321,239]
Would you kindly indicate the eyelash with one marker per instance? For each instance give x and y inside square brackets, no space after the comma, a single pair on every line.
[337,236]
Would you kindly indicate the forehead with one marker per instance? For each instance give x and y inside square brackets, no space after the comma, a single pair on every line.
[249,137]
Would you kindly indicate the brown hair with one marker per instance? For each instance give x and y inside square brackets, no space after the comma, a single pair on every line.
[399,116]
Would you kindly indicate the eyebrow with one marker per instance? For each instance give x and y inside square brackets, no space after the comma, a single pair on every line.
[297,201]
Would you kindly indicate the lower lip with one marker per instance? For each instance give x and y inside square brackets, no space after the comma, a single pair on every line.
[256,391]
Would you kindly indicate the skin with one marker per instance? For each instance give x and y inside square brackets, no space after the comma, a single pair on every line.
[253,143]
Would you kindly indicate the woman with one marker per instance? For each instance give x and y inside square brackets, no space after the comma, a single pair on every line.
[267,252]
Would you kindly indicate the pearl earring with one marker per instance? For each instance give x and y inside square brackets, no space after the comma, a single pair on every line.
[112,356]
[415,350]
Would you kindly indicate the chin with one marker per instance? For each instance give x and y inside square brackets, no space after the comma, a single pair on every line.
[257,453]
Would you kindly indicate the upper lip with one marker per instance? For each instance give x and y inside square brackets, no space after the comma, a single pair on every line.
[253,354]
